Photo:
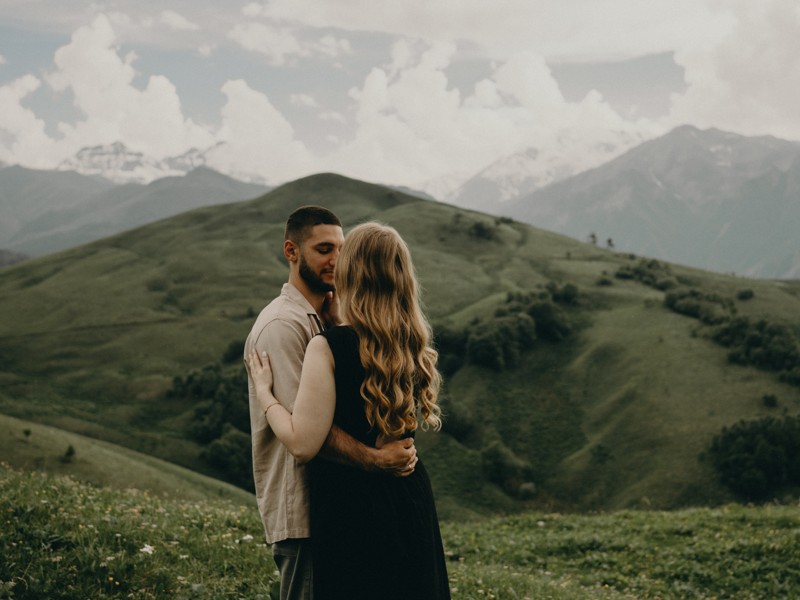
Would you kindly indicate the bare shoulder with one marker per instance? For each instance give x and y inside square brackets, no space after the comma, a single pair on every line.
[318,346]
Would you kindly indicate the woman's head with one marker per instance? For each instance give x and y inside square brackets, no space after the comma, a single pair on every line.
[374,270]
[379,297]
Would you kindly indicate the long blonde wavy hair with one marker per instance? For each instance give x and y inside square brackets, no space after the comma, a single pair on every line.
[379,297]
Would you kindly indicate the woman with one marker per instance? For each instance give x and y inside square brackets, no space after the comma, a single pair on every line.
[372,535]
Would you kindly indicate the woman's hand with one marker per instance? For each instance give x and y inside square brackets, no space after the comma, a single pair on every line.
[261,373]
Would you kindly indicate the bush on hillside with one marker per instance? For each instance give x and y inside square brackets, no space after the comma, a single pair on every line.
[503,467]
[565,294]
[711,309]
[452,346]
[499,343]
[231,454]
[650,272]
[221,415]
[459,420]
[551,321]
[758,459]
[745,294]
[769,346]
[220,398]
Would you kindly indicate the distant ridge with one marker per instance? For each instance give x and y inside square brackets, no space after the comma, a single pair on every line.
[47,211]
[705,198]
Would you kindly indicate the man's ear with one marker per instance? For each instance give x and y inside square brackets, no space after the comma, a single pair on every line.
[291,251]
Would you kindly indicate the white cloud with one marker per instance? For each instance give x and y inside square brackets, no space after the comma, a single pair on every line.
[177,21]
[332,115]
[332,47]
[22,133]
[595,30]
[276,43]
[256,138]
[101,83]
[281,44]
[303,100]
[413,126]
[2,60]
[747,79]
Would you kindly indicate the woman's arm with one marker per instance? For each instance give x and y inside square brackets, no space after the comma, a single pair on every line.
[304,430]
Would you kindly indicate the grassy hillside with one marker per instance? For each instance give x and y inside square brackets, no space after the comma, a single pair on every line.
[32,446]
[614,415]
[109,544]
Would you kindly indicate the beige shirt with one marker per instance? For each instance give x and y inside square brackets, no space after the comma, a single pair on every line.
[282,330]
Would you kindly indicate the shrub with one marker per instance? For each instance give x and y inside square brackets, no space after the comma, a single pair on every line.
[765,345]
[234,352]
[770,400]
[231,454]
[503,467]
[566,294]
[551,322]
[711,309]
[482,231]
[459,421]
[746,294]
[499,343]
[757,459]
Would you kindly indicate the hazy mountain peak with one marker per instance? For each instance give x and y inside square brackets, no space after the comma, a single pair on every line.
[706,198]
[117,163]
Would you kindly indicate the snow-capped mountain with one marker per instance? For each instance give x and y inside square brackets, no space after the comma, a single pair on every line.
[705,198]
[534,168]
[119,164]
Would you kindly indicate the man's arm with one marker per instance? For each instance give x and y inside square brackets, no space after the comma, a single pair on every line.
[398,458]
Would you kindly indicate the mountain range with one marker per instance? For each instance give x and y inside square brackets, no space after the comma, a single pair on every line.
[46,211]
[705,198]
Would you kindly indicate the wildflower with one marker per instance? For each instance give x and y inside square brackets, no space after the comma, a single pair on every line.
[148,549]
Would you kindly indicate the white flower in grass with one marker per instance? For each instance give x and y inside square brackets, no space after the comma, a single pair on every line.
[148,549]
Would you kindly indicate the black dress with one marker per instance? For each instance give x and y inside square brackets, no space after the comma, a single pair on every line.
[373,535]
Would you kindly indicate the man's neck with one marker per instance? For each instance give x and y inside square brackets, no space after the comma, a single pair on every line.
[315,300]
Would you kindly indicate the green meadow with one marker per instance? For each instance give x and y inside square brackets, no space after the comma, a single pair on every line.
[64,539]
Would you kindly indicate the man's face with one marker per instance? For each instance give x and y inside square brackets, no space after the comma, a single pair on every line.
[318,254]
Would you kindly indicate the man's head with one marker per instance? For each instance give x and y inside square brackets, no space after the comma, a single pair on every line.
[311,244]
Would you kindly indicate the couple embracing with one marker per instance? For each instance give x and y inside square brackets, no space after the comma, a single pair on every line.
[341,366]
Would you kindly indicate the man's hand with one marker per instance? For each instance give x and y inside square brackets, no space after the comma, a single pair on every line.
[398,458]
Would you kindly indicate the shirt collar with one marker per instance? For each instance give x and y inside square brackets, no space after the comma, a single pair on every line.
[297,297]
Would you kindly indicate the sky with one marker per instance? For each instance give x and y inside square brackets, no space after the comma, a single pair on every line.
[405,93]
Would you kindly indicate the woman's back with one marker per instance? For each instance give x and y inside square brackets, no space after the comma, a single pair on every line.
[374,535]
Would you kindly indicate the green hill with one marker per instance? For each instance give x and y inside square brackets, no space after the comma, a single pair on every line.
[569,383]
[32,446]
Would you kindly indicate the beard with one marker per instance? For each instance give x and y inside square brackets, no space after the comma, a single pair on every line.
[313,280]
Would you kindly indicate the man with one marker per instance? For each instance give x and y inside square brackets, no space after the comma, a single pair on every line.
[307,303]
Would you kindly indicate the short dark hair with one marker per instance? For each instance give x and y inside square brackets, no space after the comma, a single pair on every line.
[304,218]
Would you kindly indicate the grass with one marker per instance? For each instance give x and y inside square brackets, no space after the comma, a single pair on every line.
[65,539]
[60,538]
